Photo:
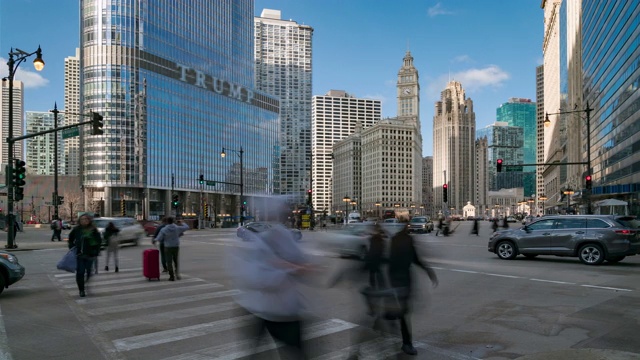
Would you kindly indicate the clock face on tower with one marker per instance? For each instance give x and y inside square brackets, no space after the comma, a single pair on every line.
[406,91]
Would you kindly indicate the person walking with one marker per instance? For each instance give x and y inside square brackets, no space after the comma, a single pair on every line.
[56,226]
[494,224]
[86,238]
[113,244]
[402,254]
[476,227]
[163,259]
[170,237]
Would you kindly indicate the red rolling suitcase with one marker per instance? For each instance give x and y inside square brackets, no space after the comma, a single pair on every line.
[151,264]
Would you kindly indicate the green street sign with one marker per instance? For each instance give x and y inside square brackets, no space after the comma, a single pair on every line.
[513,168]
[70,132]
[211,183]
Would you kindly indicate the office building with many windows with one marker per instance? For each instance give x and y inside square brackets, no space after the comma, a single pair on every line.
[175,86]
[18,119]
[72,109]
[40,157]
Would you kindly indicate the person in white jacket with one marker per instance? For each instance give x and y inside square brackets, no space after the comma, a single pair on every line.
[268,270]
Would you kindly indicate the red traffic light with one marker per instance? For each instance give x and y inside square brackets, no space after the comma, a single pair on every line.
[588,178]
[499,165]
[445,186]
[309,191]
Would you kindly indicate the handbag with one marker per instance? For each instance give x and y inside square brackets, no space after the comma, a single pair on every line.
[69,261]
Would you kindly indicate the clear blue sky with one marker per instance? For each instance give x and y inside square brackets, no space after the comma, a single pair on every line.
[491,46]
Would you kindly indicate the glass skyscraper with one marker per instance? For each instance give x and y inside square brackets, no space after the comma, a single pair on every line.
[503,142]
[611,59]
[174,82]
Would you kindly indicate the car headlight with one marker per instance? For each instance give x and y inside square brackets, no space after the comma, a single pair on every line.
[10,258]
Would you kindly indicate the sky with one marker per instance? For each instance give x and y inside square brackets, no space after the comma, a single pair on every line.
[491,47]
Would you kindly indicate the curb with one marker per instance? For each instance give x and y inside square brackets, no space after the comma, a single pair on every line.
[582,354]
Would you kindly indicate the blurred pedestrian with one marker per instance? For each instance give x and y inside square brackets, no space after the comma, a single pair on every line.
[402,254]
[268,271]
[113,244]
[505,223]
[373,262]
[56,226]
[86,238]
[494,224]
[476,227]
[170,237]
[163,259]
[440,221]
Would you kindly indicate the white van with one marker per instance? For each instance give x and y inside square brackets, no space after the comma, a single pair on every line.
[130,230]
[354,217]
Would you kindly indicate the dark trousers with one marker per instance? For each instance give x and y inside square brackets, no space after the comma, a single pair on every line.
[85,265]
[57,234]
[163,258]
[288,332]
[405,325]
[171,254]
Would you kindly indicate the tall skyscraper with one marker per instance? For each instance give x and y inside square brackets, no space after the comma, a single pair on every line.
[482,175]
[172,98]
[540,192]
[40,157]
[18,119]
[335,116]
[454,132]
[71,107]
[522,113]
[507,143]
[427,186]
[283,70]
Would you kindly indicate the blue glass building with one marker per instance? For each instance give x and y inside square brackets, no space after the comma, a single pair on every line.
[174,82]
[611,79]
[503,142]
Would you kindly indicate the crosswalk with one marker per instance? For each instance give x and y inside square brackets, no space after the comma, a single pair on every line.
[193,319]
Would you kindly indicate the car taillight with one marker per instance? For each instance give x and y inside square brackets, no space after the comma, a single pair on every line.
[625,232]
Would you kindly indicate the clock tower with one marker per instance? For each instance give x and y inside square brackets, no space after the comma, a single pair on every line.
[408,91]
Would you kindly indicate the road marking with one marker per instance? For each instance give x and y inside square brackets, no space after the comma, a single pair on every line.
[166,316]
[160,302]
[464,271]
[4,341]
[243,348]
[93,290]
[69,275]
[506,276]
[605,288]
[553,281]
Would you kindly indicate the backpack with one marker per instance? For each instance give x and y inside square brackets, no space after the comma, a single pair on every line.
[55,225]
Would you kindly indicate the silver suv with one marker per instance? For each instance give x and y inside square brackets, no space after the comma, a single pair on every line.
[591,238]
[420,224]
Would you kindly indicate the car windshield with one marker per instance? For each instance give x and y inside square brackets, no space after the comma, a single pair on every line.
[418,220]
[102,223]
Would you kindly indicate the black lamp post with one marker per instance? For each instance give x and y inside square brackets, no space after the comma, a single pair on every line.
[240,154]
[16,57]
[346,200]
[588,110]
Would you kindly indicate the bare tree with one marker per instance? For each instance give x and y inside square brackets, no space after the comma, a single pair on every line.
[73,202]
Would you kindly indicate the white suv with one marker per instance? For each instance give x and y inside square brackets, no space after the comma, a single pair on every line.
[130,230]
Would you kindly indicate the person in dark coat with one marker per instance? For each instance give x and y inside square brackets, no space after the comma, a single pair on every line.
[402,254]
[87,240]
[505,224]
[372,263]
[476,227]
[494,224]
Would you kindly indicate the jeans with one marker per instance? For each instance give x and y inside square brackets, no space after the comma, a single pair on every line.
[171,254]
[57,234]
[85,265]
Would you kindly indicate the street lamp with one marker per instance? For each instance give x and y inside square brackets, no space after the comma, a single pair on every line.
[346,200]
[530,201]
[543,199]
[568,192]
[16,57]
[588,110]
[240,154]
[378,204]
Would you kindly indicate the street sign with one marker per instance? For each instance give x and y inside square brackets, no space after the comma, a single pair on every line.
[211,183]
[70,132]
[513,168]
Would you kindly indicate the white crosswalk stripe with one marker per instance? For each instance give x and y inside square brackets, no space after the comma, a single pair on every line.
[137,318]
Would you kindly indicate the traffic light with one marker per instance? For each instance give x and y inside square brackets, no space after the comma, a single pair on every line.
[123,207]
[587,182]
[60,200]
[206,210]
[96,121]
[309,195]
[201,179]
[19,175]
[445,191]
[175,201]
[499,165]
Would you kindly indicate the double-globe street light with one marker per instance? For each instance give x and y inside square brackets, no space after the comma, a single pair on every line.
[588,110]
[240,154]
[16,57]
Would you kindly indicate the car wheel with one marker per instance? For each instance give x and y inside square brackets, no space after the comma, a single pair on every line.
[530,256]
[615,259]
[506,250]
[591,254]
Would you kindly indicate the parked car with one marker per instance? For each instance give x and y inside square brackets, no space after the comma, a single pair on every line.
[511,219]
[65,225]
[10,270]
[420,224]
[260,226]
[150,227]
[130,230]
[591,238]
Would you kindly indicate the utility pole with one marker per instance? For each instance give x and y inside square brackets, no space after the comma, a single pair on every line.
[55,160]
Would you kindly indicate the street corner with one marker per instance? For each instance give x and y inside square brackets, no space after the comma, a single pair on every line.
[582,354]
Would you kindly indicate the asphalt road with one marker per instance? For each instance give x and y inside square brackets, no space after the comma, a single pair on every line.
[483,308]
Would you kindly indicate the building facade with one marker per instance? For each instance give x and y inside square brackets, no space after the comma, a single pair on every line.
[454,132]
[504,142]
[347,185]
[335,116]
[40,150]
[72,107]
[540,192]
[283,69]
[18,120]
[172,98]
[427,186]
[482,176]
